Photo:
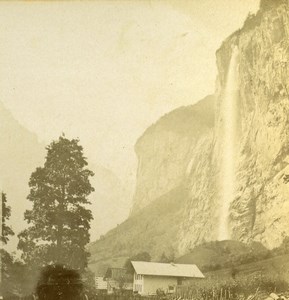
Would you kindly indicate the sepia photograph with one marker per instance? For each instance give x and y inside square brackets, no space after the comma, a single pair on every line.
[144,150]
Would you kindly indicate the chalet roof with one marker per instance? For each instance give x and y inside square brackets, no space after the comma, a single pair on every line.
[160,269]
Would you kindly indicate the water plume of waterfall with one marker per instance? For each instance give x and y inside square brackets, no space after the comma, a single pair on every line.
[229,116]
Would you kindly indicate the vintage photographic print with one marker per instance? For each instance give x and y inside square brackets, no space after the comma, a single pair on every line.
[144,150]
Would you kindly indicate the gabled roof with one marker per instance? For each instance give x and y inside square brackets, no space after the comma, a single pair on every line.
[160,269]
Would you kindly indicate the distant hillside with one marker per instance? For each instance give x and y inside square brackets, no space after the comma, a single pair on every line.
[166,148]
[110,201]
[20,154]
[145,231]
[185,119]
[164,152]
[219,254]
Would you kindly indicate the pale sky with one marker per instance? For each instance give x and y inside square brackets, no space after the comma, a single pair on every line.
[104,71]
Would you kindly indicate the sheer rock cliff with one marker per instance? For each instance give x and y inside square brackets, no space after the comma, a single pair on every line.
[260,208]
[183,149]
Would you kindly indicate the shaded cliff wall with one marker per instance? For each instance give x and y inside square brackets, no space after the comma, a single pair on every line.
[164,151]
[180,155]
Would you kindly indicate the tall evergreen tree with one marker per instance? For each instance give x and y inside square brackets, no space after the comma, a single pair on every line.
[59,220]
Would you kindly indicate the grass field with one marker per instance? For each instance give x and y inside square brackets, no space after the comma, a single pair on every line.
[272,267]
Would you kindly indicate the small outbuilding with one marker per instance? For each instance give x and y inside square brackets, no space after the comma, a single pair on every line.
[151,277]
[100,285]
[117,280]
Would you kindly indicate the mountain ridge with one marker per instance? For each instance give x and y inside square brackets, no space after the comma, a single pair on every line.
[168,159]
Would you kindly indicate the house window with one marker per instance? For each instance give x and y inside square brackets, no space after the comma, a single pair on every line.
[180,281]
[138,277]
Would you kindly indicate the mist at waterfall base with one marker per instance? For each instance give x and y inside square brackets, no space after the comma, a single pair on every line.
[229,141]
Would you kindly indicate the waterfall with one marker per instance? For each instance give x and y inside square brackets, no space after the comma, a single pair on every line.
[229,116]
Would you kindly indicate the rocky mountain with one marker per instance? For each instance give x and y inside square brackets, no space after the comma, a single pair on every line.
[20,153]
[166,148]
[185,149]
[164,153]
[146,230]
[260,207]
[110,201]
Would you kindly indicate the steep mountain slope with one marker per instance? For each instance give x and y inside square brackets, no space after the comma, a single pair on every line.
[184,148]
[154,223]
[110,201]
[260,208]
[165,150]
[20,154]
[146,230]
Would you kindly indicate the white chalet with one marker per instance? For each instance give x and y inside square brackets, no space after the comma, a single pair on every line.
[150,277]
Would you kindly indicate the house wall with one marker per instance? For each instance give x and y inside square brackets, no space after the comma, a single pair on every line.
[100,284]
[138,283]
[152,283]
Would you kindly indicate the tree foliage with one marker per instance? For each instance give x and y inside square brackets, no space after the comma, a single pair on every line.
[142,256]
[6,213]
[9,267]
[59,219]
[167,256]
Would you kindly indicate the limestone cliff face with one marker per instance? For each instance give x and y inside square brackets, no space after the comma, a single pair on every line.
[260,208]
[182,151]
[165,154]
[165,150]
